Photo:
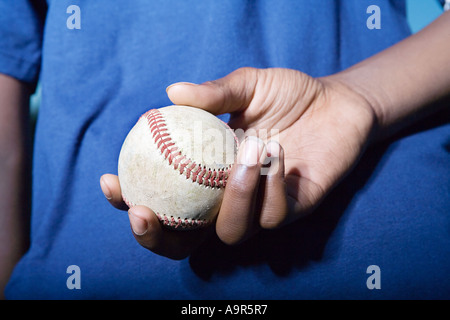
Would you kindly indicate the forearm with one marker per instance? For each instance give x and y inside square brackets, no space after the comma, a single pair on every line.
[14,170]
[403,82]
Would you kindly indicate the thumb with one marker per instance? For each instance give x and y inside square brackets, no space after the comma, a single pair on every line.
[232,93]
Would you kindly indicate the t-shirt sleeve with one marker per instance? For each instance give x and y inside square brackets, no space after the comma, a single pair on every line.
[21,29]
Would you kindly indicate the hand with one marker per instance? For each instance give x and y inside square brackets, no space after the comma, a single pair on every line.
[147,229]
[323,128]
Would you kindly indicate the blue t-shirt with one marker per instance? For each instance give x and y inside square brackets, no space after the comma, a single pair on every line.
[383,233]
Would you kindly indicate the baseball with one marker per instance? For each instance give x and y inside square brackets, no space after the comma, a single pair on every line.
[176,160]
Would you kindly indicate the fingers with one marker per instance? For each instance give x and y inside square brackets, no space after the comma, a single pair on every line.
[274,208]
[236,216]
[251,200]
[111,189]
[150,234]
[229,94]
[147,229]
[254,198]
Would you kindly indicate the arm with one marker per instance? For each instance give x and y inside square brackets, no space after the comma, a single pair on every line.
[14,170]
[403,82]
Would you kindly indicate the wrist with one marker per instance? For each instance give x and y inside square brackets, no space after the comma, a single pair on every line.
[360,97]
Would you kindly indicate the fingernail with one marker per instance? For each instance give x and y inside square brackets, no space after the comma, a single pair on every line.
[273,149]
[273,158]
[105,189]
[178,84]
[138,225]
[251,151]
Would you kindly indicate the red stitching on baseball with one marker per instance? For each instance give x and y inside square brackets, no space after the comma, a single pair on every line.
[196,172]
[174,222]
[128,203]
[177,222]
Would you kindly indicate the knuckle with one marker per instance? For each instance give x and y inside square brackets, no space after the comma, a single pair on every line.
[244,71]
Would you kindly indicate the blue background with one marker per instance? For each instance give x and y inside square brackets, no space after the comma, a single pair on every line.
[422,12]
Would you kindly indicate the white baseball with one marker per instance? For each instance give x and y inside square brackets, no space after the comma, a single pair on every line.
[176,161]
